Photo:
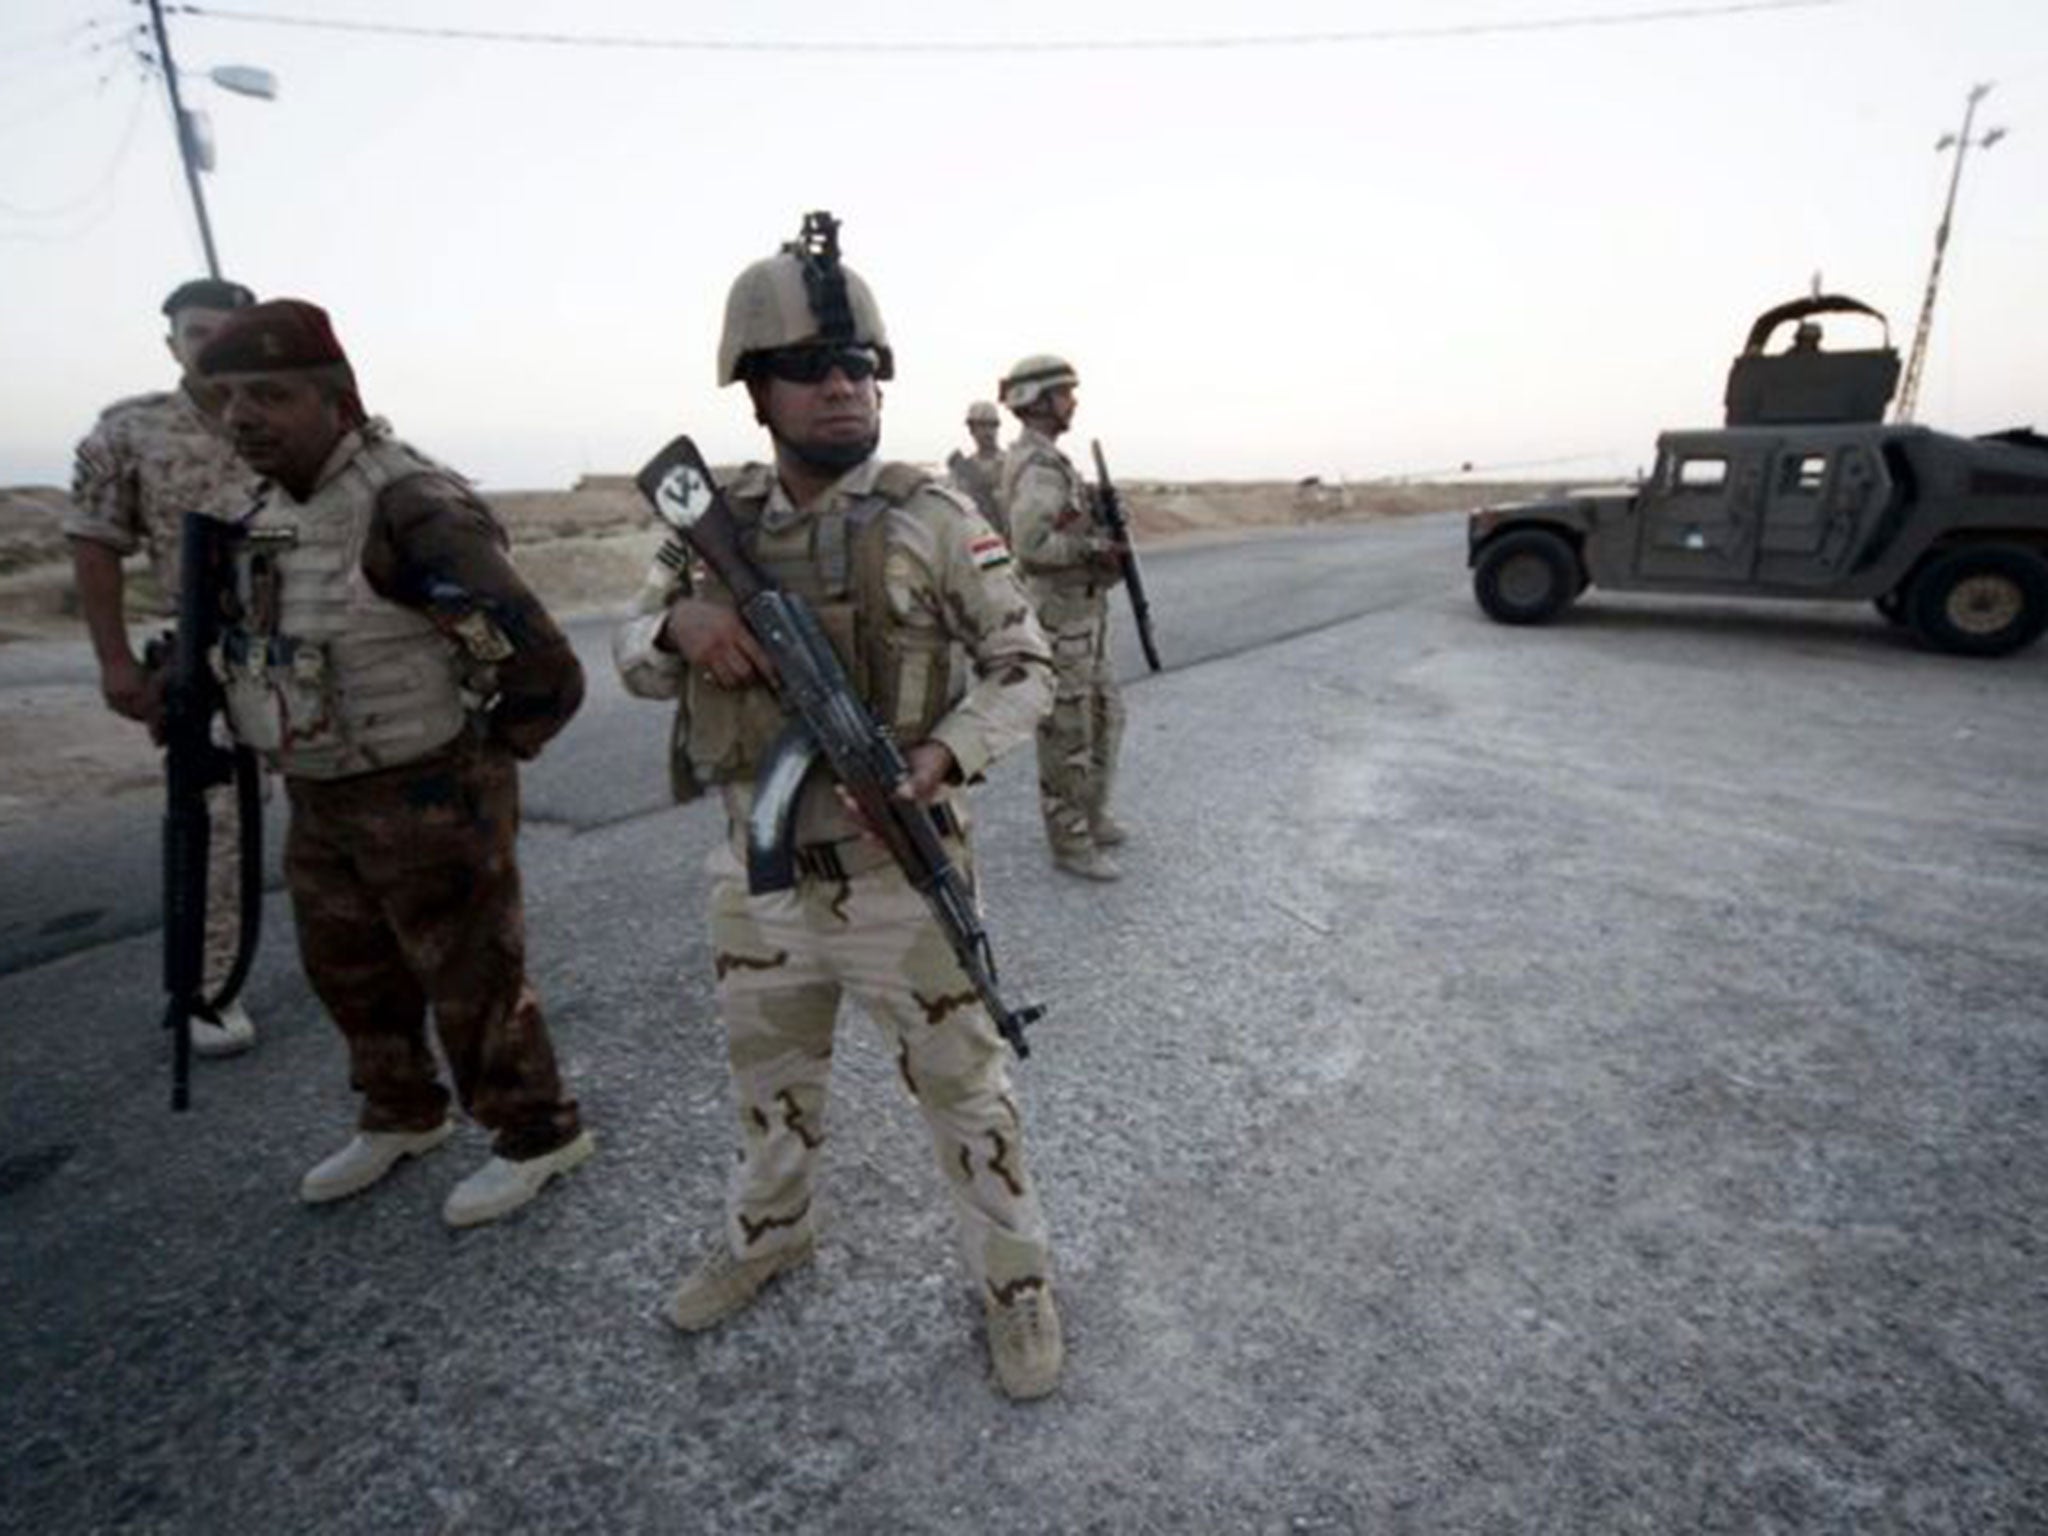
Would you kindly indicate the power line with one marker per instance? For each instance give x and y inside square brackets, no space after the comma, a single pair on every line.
[62,36]
[1569,22]
[104,181]
[49,106]
[53,60]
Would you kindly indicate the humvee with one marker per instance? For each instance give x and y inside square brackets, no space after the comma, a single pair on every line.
[1804,493]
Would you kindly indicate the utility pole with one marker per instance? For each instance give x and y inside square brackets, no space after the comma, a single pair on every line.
[1909,393]
[181,124]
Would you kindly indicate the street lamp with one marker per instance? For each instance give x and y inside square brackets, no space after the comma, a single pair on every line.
[1962,143]
[195,134]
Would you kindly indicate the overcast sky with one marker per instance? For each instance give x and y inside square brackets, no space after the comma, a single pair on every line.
[1347,259]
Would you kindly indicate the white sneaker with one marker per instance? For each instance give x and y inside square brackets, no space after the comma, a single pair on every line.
[502,1186]
[227,1033]
[365,1160]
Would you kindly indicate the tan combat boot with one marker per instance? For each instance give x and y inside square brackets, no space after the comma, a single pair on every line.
[1090,863]
[721,1285]
[1108,832]
[1024,1342]
[366,1159]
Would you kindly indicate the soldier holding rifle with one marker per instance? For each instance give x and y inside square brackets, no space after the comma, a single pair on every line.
[1070,562]
[149,460]
[897,570]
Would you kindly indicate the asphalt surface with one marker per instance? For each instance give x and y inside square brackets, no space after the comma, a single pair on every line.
[1585,1079]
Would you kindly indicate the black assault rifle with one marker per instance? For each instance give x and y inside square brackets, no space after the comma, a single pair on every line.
[1109,509]
[193,765]
[830,727]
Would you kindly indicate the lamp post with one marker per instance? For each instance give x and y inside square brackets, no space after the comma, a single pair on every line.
[1909,392]
[195,154]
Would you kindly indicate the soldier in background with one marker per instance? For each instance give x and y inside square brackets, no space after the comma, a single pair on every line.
[900,570]
[977,473]
[149,460]
[383,655]
[1069,566]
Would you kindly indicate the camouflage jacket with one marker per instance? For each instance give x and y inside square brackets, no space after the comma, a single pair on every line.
[944,571]
[976,475]
[147,461]
[1050,517]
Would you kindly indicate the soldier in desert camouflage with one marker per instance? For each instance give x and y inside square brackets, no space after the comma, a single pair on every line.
[900,570]
[1069,564]
[382,654]
[147,461]
[977,473]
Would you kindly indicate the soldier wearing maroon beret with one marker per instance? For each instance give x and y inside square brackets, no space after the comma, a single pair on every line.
[384,656]
[148,460]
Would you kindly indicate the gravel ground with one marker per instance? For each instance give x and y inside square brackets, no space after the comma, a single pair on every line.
[1585,1080]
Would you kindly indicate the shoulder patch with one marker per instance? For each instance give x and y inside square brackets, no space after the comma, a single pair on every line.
[987,550]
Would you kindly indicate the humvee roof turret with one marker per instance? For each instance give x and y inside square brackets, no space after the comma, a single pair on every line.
[1804,493]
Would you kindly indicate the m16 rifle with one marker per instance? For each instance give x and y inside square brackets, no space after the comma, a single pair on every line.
[830,728]
[1109,510]
[193,764]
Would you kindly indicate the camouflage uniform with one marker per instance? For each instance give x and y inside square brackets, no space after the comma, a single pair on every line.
[853,924]
[404,875]
[147,461]
[1068,567]
[977,474]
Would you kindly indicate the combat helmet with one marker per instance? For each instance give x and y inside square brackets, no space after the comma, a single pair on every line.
[800,294]
[983,410]
[1033,377]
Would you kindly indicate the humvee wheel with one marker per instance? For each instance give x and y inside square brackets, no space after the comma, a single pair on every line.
[1983,600]
[1529,576]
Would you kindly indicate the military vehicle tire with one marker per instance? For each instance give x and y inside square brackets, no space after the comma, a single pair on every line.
[1528,576]
[1980,600]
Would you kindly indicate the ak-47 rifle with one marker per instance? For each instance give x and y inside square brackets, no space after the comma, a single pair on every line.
[830,727]
[1109,509]
[193,765]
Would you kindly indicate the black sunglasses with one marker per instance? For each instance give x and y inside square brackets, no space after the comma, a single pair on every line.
[809,365]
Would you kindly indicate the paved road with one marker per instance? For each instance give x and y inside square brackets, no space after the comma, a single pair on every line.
[82,877]
[1584,1079]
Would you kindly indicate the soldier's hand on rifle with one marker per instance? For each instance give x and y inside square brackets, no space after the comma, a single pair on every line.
[931,770]
[714,639]
[133,692]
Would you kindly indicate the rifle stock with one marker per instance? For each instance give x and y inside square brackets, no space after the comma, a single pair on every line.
[830,725]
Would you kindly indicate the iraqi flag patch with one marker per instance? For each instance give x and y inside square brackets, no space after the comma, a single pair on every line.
[988,549]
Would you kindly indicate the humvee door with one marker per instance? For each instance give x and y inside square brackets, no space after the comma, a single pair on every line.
[1823,505]
[1700,516]
[1791,509]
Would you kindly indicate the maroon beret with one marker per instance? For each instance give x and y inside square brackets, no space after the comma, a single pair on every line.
[277,336]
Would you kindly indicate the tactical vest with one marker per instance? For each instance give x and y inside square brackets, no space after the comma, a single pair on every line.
[323,676]
[837,562]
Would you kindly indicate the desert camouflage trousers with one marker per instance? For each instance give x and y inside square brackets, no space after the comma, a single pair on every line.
[1078,741]
[783,962]
[223,886]
[405,889]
